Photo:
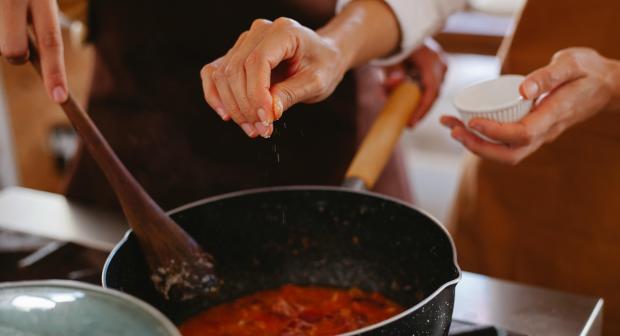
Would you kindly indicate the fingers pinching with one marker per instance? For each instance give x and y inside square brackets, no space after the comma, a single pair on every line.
[210,91]
[234,74]
[234,80]
[258,72]
[254,110]
[271,67]
[277,46]
[230,104]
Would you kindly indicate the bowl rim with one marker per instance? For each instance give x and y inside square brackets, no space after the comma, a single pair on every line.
[168,326]
[488,110]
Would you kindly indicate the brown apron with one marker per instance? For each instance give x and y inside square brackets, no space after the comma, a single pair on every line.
[554,219]
[147,100]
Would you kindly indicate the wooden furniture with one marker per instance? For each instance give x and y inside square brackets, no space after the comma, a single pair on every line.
[471,32]
[33,115]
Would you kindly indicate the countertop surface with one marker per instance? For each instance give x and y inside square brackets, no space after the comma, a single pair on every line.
[517,308]
[526,310]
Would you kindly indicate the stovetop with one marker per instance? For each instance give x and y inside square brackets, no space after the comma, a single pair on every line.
[54,260]
[483,305]
[462,328]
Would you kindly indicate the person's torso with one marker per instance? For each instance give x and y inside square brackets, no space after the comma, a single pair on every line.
[554,219]
[147,99]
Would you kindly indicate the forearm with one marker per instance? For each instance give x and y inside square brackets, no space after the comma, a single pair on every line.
[364,30]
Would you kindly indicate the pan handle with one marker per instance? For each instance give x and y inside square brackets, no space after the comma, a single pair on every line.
[379,143]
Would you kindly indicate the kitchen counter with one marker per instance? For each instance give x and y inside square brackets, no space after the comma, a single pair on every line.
[515,308]
[526,310]
[53,216]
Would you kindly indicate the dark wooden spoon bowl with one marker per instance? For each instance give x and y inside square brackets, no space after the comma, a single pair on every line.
[180,269]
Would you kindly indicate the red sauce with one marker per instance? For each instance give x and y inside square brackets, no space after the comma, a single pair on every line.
[293,311]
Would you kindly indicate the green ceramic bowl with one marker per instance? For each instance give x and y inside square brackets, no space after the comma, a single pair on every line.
[70,308]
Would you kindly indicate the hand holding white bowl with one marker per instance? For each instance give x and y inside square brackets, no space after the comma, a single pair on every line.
[497,100]
[579,83]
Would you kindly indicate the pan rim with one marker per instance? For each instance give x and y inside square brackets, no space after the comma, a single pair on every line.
[394,318]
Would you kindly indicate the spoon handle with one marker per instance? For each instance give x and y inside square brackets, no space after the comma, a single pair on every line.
[117,174]
[179,267]
[157,232]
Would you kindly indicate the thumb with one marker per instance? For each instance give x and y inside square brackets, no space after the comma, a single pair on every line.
[549,78]
[302,87]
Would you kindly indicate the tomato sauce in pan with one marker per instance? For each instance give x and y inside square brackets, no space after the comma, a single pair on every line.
[293,311]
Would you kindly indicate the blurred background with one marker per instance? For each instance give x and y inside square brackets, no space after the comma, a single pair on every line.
[36,143]
[44,235]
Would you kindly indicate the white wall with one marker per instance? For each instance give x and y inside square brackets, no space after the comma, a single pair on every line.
[433,158]
[8,172]
[501,7]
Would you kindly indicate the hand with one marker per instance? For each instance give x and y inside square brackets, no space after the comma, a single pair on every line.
[428,63]
[577,84]
[277,64]
[271,67]
[14,16]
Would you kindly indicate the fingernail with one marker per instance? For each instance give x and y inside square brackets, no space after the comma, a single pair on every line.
[59,94]
[262,115]
[477,127]
[248,129]
[265,131]
[277,107]
[222,113]
[530,89]
[459,138]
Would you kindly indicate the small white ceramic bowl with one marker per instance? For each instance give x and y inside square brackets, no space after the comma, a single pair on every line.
[497,99]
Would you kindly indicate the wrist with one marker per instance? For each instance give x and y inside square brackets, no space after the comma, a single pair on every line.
[344,36]
[362,31]
[342,57]
[613,82]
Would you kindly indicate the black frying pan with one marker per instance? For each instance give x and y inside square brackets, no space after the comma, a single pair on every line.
[328,236]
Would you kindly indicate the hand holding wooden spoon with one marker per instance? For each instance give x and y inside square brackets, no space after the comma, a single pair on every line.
[180,269]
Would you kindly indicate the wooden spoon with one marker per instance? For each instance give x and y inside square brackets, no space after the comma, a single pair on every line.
[180,269]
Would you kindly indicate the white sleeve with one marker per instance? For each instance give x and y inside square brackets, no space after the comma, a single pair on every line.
[418,19]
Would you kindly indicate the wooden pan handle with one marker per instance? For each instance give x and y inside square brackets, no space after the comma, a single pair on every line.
[385,132]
